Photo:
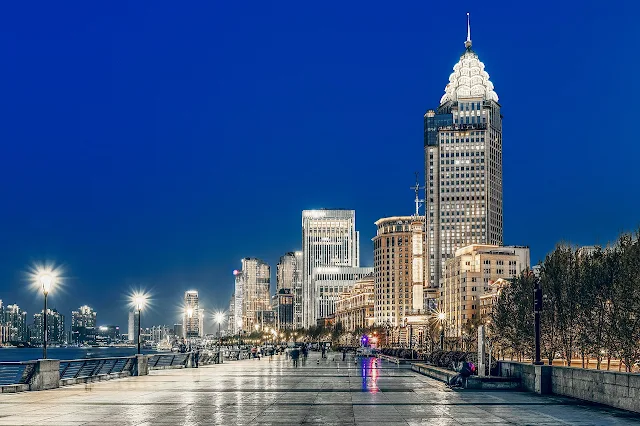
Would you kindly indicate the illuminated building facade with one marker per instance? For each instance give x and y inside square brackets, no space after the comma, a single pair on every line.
[463,165]
[329,239]
[355,307]
[471,274]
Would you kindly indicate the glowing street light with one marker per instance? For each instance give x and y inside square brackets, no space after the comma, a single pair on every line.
[441,317]
[45,278]
[139,301]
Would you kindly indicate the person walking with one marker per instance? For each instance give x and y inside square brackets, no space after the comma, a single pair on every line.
[344,354]
[295,354]
[324,351]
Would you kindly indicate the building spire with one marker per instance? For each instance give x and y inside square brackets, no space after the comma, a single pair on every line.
[467,43]
[418,201]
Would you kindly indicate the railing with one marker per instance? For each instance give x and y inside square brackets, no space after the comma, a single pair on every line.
[237,355]
[178,360]
[168,360]
[14,373]
[77,368]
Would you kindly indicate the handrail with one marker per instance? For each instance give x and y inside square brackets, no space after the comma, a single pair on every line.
[16,372]
[97,359]
[91,367]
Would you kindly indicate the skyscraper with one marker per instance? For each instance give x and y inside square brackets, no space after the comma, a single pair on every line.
[285,270]
[289,276]
[399,269]
[463,165]
[329,238]
[253,282]
[55,327]
[133,326]
[83,325]
[16,319]
[192,315]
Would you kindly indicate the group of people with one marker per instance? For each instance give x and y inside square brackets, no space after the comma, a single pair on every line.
[464,370]
[297,352]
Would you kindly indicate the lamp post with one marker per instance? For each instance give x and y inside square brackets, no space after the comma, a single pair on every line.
[139,301]
[441,317]
[219,318]
[187,332]
[47,280]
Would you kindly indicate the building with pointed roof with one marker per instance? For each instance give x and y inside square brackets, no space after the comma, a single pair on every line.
[463,165]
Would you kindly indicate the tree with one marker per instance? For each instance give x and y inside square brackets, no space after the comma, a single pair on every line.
[625,301]
[559,272]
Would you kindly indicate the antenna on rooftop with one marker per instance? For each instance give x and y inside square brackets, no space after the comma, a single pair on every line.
[417,189]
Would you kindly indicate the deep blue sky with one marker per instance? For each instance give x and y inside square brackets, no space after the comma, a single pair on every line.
[156,145]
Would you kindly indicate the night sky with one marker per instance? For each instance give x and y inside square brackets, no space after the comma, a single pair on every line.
[153,146]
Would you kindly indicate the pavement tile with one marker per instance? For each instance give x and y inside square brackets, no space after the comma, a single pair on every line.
[331,392]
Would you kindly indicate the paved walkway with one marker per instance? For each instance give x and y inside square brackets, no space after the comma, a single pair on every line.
[263,392]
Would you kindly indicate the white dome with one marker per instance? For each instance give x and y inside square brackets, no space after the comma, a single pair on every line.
[469,80]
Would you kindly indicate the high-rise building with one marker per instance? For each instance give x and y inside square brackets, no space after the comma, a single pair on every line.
[178,330]
[329,238]
[298,321]
[253,282]
[107,334]
[463,165]
[55,327]
[238,301]
[472,273]
[289,276]
[133,326]
[83,325]
[285,271]
[16,319]
[399,269]
[193,315]
[283,308]
[329,282]
[231,319]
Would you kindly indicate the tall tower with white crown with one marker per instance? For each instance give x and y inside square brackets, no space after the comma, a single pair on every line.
[463,165]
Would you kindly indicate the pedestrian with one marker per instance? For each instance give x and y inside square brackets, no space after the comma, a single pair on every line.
[344,354]
[324,351]
[295,353]
[196,358]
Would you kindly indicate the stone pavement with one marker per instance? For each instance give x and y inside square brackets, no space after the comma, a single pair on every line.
[273,392]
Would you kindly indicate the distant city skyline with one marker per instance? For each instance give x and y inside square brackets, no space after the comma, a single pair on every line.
[154,156]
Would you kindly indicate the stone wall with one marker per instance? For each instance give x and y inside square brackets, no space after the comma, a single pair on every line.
[620,390]
[525,372]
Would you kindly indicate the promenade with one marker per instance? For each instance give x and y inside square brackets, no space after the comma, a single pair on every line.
[262,392]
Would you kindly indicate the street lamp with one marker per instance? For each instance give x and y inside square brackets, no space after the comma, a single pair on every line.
[46,279]
[139,301]
[188,333]
[441,317]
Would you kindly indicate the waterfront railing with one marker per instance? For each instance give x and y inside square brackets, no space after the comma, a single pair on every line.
[50,373]
[91,367]
[16,373]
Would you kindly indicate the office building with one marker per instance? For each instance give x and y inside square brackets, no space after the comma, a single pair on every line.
[399,269]
[289,276]
[329,239]
[329,282]
[55,328]
[470,274]
[107,334]
[193,315]
[283,302]
[355,306]
[83,325]
[463,165]
[16,319]
[133,326]
[252,290]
